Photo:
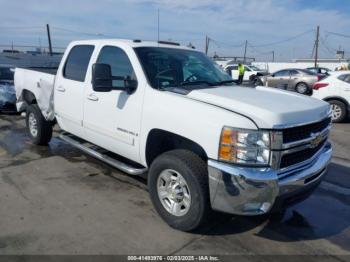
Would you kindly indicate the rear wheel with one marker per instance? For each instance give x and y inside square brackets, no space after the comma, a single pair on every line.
[178,187]
[338,111]
[38,128]
[302,88]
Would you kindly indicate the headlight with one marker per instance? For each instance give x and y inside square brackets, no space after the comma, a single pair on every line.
[241,146]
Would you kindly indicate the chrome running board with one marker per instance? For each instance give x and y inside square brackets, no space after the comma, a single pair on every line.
[88,149]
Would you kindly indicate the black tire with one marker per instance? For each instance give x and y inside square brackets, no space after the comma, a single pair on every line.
[341,113]
[44,127]
[194,170]
[302,91]
[258,82]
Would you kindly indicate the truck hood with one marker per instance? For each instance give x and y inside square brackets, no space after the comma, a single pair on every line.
[267,107]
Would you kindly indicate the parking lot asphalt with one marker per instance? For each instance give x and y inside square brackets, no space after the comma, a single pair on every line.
[57,200]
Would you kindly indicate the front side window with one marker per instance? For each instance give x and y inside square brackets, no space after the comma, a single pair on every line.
[255,68]
[120,64]
[170,67]
[282,73]
[78,62]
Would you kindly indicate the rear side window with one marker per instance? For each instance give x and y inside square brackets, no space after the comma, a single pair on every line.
[294,72]
[77,62]
[120,64]
[232,68]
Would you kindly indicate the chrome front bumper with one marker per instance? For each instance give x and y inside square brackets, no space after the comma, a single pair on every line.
[253,191]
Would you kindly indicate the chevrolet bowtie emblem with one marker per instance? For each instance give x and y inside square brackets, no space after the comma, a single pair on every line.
[317,139]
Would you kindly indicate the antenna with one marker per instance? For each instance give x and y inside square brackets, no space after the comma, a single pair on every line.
[158,26]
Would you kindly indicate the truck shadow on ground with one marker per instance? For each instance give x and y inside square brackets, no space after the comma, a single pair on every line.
[323,215]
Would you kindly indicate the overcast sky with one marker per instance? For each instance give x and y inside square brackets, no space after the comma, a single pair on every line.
[266,24]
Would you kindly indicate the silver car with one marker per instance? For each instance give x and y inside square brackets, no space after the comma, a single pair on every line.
[297,80]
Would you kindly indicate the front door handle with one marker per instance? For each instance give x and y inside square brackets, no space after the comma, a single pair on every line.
[61,89]
[92,97]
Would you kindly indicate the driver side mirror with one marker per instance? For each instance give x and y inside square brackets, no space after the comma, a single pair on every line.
[101,78]
[130,85]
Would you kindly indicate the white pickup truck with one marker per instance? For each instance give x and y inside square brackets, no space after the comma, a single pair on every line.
[168,111]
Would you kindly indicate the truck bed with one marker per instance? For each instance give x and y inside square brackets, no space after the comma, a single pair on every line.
[48,70]
[40,82]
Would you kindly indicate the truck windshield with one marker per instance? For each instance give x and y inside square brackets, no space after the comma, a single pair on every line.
[170,67]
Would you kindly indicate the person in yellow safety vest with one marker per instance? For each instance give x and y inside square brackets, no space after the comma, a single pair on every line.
[241,70]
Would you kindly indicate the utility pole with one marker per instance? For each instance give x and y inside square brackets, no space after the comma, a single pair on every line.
[273,56]
[245,51]
[49,38]
[207,40]
[316,44]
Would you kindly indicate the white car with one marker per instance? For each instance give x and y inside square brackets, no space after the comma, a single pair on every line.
[251,72]
[335,89]
[175,115]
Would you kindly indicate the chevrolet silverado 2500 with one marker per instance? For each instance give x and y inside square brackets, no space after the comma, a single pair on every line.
[170,112]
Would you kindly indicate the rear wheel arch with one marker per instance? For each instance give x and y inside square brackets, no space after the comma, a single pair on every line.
[29,97]
[160,141]
[340,99]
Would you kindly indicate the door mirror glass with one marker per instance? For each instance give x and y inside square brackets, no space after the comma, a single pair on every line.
[101,78]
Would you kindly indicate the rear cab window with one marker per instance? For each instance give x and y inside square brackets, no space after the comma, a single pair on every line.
[77,62]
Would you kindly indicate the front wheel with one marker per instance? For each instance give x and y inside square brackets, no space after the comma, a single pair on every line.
[178,187]
[338,111]
[38,128]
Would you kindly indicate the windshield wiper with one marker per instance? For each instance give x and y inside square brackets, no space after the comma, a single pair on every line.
[189,83]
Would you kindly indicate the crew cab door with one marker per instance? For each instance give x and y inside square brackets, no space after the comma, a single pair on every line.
[248,73]
[112,119]
[232,70]
[69,89]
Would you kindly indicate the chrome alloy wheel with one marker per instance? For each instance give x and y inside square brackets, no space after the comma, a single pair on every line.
[173,192]
[336,111]
[33,125]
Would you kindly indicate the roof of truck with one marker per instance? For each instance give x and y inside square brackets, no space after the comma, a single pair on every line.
[132,43]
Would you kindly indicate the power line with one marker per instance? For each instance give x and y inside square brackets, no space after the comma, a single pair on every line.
[77,32]
[30,46]
[337,34]
[228,44]
[285,40]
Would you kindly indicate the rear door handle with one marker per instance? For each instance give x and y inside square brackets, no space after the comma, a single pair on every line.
[92,97]
[61,89]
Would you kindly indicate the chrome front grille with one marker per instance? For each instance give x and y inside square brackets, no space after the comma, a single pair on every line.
[291,159]
[295,146]
[298,133]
